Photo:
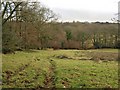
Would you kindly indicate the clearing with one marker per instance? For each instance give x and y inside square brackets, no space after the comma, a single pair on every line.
[61,69]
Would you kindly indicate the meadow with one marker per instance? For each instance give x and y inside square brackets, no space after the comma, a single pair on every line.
[97,68]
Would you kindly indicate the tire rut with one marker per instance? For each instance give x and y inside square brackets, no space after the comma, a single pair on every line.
[10,74]
[50,78]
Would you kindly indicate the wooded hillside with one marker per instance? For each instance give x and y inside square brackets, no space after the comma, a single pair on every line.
[29,25]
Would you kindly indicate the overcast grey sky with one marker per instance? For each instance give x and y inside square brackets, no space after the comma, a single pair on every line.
[83,10]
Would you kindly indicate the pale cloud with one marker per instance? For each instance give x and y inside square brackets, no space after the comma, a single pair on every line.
[83,15]
[91,5]
[83,10]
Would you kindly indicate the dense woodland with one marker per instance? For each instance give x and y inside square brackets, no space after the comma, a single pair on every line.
[30,25]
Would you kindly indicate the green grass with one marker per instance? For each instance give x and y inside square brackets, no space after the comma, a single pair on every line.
[43,69]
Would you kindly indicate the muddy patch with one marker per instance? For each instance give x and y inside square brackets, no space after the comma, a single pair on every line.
[103,56]
[62,56]
[95,56]
[76,57]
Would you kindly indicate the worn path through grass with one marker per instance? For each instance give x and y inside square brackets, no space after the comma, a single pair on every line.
[61,69]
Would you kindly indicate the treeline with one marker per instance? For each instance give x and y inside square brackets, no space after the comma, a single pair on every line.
[80,35]
[30,25]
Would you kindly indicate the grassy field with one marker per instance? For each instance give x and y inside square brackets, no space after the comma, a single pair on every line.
[61,69]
